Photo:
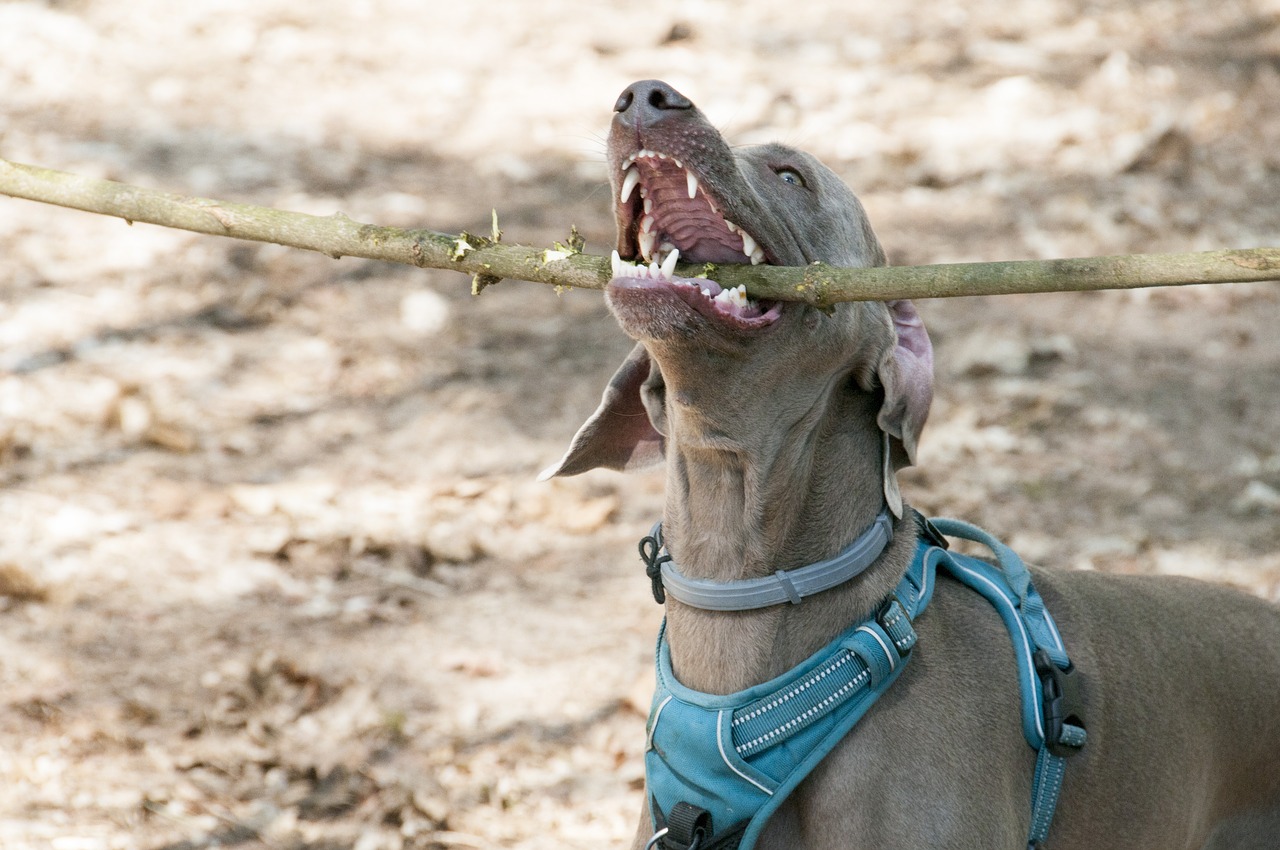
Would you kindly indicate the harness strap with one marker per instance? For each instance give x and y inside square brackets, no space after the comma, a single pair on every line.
[1050,705]
[867,657]
[1031,610]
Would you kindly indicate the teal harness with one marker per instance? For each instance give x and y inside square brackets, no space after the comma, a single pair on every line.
[717,767]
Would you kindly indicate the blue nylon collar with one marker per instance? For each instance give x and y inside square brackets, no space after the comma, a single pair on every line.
[784,585]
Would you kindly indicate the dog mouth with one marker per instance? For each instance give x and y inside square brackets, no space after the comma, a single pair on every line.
[665,215]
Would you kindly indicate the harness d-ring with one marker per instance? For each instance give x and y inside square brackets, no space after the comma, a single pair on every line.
[657,836]
[660,834]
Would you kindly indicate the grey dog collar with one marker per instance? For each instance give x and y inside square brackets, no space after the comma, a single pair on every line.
[784,585]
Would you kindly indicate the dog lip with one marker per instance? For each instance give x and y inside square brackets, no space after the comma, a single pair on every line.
[655,306]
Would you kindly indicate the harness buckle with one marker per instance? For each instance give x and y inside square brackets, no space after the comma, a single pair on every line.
[930,532]
[1062,704]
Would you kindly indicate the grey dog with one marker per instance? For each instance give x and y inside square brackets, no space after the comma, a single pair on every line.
[782,427]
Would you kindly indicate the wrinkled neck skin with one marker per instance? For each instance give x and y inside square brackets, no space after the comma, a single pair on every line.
[781,498]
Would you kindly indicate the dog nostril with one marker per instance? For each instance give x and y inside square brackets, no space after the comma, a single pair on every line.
[624,101]
[665,97]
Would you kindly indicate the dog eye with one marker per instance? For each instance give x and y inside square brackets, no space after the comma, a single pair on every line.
[788,175]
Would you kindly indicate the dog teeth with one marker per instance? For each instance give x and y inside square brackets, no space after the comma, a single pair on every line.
[736,297]
[628,184]
[646,241]
[669,264]
[749,246]
[621,268]
[633,174]
[661,267]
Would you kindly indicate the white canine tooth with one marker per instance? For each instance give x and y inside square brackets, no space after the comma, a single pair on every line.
[748,244]
[628,184]
[623,268]
[693,183]
[669,264]
[645,242]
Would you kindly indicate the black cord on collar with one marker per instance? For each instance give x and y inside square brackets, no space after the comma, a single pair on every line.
[653,556]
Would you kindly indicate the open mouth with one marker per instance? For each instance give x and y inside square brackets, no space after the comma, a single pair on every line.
[666,215]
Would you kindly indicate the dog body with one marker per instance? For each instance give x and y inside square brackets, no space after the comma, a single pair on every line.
[782,427]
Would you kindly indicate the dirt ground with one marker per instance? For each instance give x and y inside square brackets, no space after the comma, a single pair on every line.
[275,571]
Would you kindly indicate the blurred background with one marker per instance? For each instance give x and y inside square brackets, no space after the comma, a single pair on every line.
[274,570]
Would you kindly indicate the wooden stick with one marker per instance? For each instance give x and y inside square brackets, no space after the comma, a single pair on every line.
[563,265]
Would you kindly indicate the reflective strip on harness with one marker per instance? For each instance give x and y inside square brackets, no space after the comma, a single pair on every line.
[865,658]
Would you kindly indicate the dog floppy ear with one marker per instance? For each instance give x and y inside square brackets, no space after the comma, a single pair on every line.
[906,374]
[619,435]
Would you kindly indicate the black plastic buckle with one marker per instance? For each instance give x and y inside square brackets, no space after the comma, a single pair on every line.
[1062,702]
[930,532]
[687,826]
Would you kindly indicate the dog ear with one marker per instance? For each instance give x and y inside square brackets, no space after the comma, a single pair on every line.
[906,374]
[619,435]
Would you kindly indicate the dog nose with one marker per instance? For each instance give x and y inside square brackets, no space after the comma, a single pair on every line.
[648,102]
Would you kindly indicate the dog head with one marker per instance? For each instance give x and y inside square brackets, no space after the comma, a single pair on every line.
[713,368]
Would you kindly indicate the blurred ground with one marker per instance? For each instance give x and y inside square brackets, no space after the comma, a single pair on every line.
[275,571]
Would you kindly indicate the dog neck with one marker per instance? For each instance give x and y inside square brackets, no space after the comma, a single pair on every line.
[746,511]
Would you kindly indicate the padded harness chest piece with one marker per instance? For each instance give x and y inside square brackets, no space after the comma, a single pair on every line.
[718,766]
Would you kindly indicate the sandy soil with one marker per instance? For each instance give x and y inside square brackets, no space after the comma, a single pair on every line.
[274,569]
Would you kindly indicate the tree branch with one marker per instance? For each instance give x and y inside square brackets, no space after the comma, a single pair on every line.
[487,260]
